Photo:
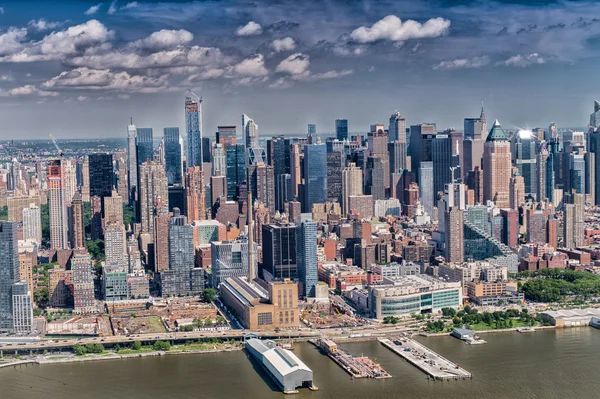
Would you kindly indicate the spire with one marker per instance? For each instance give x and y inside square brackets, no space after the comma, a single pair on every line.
[251,255]
[596,105]
[482,116]
[131,120]
[497,133]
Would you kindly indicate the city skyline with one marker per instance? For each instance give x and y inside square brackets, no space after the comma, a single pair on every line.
[83,64]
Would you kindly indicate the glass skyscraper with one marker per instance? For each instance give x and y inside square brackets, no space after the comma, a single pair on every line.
[525,159]
[144,143]
[341,129]
[193,127]
[306,245]
[236,168]
[101,175]
[315,175]
[9,273]
[173,155]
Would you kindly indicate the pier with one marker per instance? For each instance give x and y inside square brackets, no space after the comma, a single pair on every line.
[357,367]
[426,360]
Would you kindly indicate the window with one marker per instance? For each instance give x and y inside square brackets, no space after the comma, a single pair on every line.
[265,319]
[236,257]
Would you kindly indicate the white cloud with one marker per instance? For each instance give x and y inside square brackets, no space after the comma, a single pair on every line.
[7,78]
[58,45]
[295,64]
[253,66]
[10,41]
[1,10]
[93,9]
[29,90]
[41,24]
[285,44]
[250,29]
[86,78]
[164,39]
[82,98]
[281,83]
[475,62]
[524,60]
[331,74]
[127,6]
[392,28]
[113,8]
[123,96]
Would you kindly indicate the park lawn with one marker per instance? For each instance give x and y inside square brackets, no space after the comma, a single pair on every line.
[484,326]
[145,349]
[156,324]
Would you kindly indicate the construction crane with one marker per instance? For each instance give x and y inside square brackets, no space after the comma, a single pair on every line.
[61,152]
[199,99]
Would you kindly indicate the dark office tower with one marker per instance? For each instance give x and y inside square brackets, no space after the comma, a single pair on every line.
[312,129]
[397,151]
[144,144]
[279,251]
[315,175]
[206,155]
[236,168]
[261,183]
[193,129]
[525,159]
[374,184]
[334,176]
[419,148]
[377,144]
[9,273]
[475,183]
[576,172]
[101,175]
[441,154]
[341,129]
[226,135]
[283,191]
[595,149]
[475,130]
[173,156]
[397,129]
[590,176]
[278,156]
[177,199]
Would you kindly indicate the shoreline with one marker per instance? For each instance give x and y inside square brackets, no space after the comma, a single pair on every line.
[116,356]
[514,329]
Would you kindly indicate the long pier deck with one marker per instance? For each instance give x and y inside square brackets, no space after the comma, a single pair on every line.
[357,367]
[426,360]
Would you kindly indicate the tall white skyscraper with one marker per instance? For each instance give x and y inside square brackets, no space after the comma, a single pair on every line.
[115,248]
[132,160]
[32,223]
[69,180]
[57,207]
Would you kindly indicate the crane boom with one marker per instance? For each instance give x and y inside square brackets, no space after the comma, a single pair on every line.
[61,152]
[195,95]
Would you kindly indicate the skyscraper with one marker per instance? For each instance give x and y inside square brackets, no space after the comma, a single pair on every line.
[206,149]
[226,135]
[475,130]
[341,129]
[76,223]
[83,283]
[132,162]
[315,175]
[236,168]
[229,259]
[443,161]
[261,183]
[113,208]
[154,193]
[279,251]
[9,273]
[397,129]
[454,235]
[173,155]
[194,186]
[161,240]
[254,152]
[352,184]
[374,184]
[101,174]
[219,161]
[193,127]
[334,176]
[517,191]
[426,191]
[121,167]
[497,167]
[419,147]
[573,220]
[115,248]
[525,159]
[57,208]
[595,116]
[306,245]
[32,223]
[541,165]
[145,145]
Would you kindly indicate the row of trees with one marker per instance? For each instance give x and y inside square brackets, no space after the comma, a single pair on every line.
[81,350]
[469,317]
[391,320]
[554,285]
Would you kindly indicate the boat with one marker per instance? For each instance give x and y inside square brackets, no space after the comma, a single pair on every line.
[525,329]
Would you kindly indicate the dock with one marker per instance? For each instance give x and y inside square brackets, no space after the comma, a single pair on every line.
[357,367]
[426,360]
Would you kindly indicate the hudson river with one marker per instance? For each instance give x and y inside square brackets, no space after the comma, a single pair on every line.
[545,364]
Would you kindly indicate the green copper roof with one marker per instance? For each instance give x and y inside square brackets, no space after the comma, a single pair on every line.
[497,133]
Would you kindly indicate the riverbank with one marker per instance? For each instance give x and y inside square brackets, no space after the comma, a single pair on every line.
[445,334]
[71,358]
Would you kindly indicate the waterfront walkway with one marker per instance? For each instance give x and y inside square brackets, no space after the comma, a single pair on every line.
[426,360]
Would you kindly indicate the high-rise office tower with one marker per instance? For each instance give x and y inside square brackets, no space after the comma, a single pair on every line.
[76,223]
[206,149]
[250,131]
[374,184]
[419,148]
[398,159]
[525,159]
[154,193]
[594,139]
[115,248]
[113,208]
[9,273]
[595,116]
[83,283]
[590,177]
[279,251]
[145,144]
[541,165]
[552,133]
[397,129]
[57,208]
[295,167]
[194,186]
[173,155]
[443,161]
[193,127]
[573,220]
[334,176]
[261,183]
[577,171]
[426,191]
[497,167]
[306,245]
[278,156]
[315,175]
[121,171]
[85,176]
[236,168]
[377,141]
[283,190]
[226,135]
[219,162]
[132,162]
[454,235]
[341,129]
[312,129]
[32,223]
[475,131]
[218,188]
[352,184]
[101,174]
[161,240]
[69,179]
[517,191]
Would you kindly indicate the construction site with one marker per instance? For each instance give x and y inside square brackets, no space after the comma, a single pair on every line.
[328,315]
[357,367]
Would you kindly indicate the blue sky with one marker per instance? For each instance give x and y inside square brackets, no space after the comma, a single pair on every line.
[82,68]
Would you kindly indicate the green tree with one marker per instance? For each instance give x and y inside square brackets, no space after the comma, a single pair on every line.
[136,345]
[127,214]
[161,346]
[4,213]
[45,222]
[79,350]
[449,312]
[96,249]
[467,309]
[209,295]
[40,297]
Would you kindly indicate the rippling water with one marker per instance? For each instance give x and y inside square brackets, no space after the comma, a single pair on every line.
[545,364]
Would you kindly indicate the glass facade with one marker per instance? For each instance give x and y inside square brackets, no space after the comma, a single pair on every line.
[144,144]
[315,175]
[341,129]
[193,127]
[236,170]
[173,155]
